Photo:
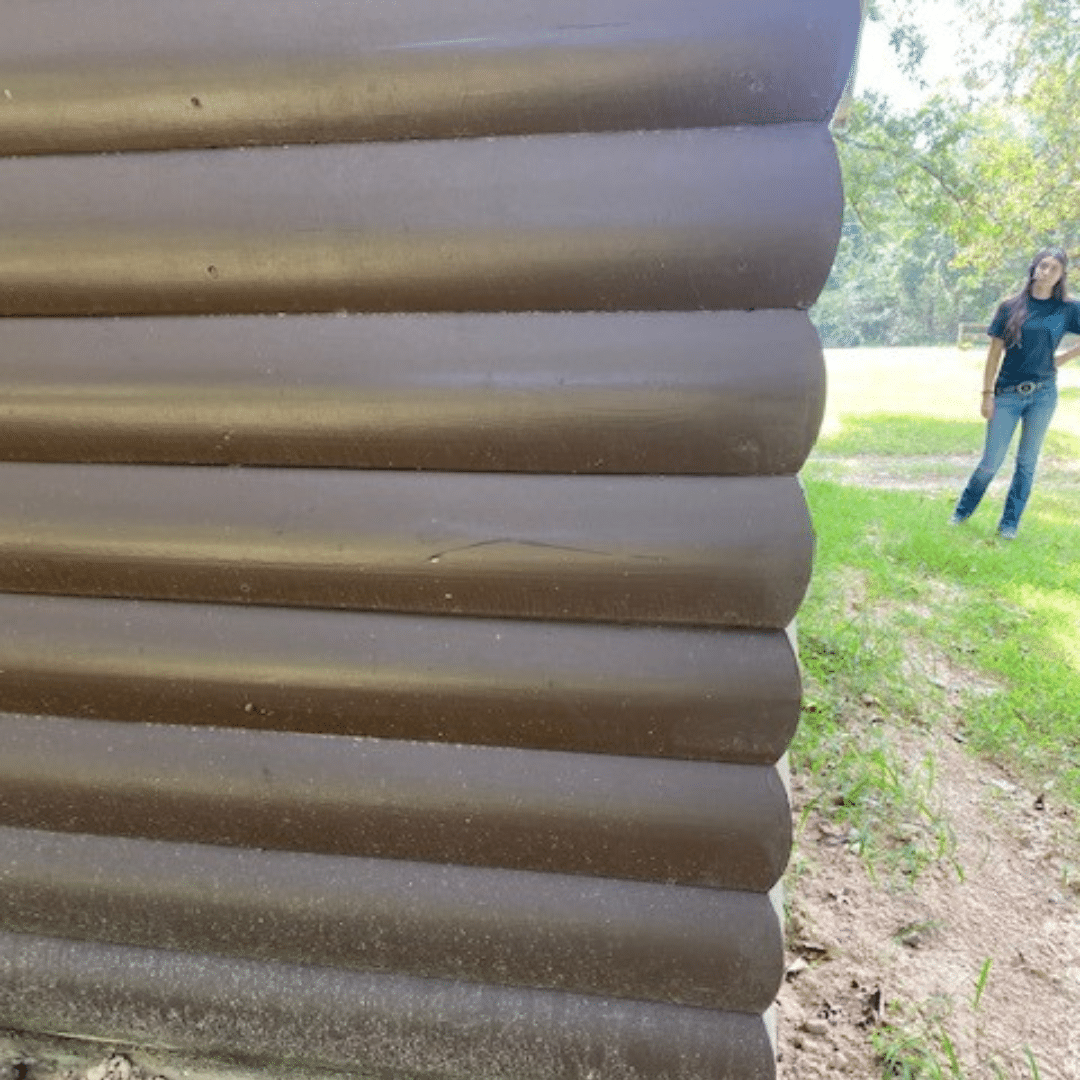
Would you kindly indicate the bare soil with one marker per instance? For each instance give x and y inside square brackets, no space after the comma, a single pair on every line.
[866,953]
[981,953]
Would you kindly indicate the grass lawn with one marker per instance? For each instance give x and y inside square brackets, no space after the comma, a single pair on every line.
[936,624]
[916,636]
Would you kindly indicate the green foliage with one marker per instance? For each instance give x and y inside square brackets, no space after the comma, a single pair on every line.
[945,205]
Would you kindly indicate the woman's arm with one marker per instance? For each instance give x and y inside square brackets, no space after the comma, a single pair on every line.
[993,362]
[1064,357]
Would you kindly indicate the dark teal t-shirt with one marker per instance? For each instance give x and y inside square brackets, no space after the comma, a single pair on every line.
[1047,322]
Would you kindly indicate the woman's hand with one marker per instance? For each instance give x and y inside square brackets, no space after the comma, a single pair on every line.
[987,409]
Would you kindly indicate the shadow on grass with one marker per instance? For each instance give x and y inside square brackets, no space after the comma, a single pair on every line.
[887,435]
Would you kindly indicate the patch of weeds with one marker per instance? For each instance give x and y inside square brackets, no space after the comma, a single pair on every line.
[853,631]
[1061,445]
[914,1044]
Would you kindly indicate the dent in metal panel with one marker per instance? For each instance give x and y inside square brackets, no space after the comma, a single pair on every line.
[732,551]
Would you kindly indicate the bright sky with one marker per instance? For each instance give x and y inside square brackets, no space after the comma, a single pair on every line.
[878,68]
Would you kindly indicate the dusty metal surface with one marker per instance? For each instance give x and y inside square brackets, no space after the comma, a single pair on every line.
[206,74]
[630,392]
[708,948]
[655,692]
[367,1025]
[395,667]
[690,823]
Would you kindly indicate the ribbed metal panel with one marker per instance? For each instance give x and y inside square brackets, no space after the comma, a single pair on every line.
[702,947]
[700,551]
[363,1024]
[660,393]
[670,220]
[200,73]
[658,692]
[399,529]
[691,823]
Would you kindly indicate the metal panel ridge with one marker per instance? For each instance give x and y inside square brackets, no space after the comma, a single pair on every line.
[686,946]
[694,694]
[730,551]
[395,1025]
[691,823]
[204,75]
[684,220]
[661,393]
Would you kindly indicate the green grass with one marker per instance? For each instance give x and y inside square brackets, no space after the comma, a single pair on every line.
[904,436]
[910,624]
[914,1043]
[894,585]
[886,435]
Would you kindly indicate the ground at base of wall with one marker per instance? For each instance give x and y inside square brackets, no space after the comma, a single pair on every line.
[971,971]
[959,977]
[27,1056]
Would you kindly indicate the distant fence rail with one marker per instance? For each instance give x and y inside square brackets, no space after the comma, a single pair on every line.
[970,333]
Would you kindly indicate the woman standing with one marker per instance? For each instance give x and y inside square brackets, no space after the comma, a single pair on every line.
[1027,328]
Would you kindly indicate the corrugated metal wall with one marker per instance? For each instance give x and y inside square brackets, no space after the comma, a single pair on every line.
[400,407]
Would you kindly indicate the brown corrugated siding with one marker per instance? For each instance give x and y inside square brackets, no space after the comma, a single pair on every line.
[193,74]
[398,536]
[733,551]
[661,393]
[568,813]
[645,691]
[670,220]
[385,1025]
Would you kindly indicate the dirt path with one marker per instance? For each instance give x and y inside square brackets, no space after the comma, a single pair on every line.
[864,953]
[984,964]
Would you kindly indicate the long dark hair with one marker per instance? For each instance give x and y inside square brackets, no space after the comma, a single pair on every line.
[1018,304]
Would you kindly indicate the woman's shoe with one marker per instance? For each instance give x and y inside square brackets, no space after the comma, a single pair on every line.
[1007,532]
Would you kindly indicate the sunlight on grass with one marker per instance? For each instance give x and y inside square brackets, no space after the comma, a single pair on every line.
[904,436]
[893,580]
[892,435]
[1061,612]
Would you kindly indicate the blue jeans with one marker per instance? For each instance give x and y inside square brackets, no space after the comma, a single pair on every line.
[1033,412]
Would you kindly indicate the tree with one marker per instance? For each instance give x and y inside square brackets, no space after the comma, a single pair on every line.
[946,205]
